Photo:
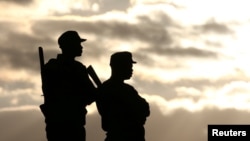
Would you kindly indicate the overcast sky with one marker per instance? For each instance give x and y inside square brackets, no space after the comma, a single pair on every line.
[192,60]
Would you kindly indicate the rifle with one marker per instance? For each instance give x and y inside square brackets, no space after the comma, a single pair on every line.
[94,76]
[41,58]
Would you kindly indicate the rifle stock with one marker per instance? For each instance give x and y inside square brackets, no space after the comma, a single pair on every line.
[94,76]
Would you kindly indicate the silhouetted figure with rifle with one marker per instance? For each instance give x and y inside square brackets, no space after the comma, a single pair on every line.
[122,109]
[67,91]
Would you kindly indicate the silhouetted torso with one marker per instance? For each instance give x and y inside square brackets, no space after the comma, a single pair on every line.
[67,91]
[122,109]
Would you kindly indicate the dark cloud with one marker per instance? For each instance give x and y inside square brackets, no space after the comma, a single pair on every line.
[109,5]
[213,44]
[145,57]
[214,27]
[165,90]
[20,2]
[172,56]
[182,52]
[147,32]
[15,93]
[18,84]
[19,59]
[19,50]
[178,126]
[156,30]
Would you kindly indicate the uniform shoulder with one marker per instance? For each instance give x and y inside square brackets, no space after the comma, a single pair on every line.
[107,86]
[104,84]
[51,63]
[129,86]
[79,64]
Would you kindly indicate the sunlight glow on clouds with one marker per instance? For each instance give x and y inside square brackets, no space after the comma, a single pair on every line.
[188,91]
[192,54]
[170,38]
[62,6]
[197,10]
[19,108]
[193,69]
[234,95]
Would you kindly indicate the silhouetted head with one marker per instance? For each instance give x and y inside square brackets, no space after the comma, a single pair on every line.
[70,43]
[122,65]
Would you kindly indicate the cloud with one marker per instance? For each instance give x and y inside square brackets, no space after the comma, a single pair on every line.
[214,27]
[232,95]
[146,83]
[124,31]
[181,52]
[148,37]
[19,97]
[29,125]
[18,50]
[18,84]
[109,5]
[150,86]
[189,94]
[19,59]
[105,36]
[180,49]
[90,7]
[16,92]
[20,2]
[19,100]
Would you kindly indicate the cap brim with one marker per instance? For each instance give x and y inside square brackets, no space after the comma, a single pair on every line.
[83,40]
[134,62]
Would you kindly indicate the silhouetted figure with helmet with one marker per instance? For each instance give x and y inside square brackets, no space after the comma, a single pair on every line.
[67,91]
[123,111]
